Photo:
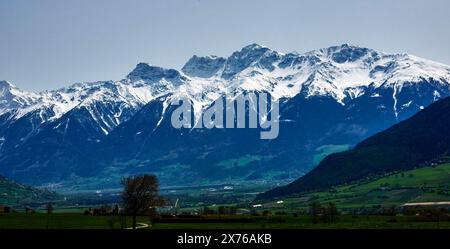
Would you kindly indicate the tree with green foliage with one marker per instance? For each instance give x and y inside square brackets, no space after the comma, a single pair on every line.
[140,195]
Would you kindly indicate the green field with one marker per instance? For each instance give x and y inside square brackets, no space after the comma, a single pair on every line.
[61,221]
[79,221]
[305,222]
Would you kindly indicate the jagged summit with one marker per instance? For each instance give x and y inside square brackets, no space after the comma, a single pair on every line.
[204,67]
[5,84]
[144,71]
[12,97]
[247,56]
[350,53]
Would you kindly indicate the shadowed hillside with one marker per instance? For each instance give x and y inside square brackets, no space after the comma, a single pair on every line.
[423,139]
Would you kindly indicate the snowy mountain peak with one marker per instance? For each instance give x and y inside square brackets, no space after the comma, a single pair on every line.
[350,53]
[248,56]
[253,46]
[12,97]
[203,67]
[148,73]
[5,84]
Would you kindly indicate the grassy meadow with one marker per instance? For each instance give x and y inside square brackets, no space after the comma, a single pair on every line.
[80,221]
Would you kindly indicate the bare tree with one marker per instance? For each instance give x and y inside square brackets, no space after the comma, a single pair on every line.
[141,195]
[49,208]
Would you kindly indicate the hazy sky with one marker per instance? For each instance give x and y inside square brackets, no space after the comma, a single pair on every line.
[49,44]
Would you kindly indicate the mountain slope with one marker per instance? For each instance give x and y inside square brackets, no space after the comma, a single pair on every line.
[421,140]
[331,96]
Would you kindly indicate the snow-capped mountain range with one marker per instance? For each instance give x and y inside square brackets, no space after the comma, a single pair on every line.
[339,71]
[353,81]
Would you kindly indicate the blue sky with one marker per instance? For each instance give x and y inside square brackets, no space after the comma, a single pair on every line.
[47,44]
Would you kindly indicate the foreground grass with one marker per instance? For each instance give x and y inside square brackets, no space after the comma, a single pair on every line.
[61,221]
[305,222]
[79,221]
